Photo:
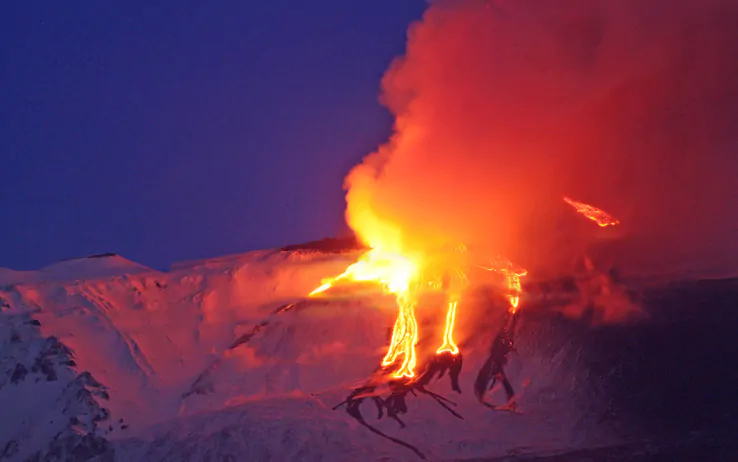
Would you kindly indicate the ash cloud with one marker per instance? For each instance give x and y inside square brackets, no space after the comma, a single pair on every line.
[504,107]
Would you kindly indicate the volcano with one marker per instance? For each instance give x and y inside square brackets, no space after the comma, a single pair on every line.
[228,359]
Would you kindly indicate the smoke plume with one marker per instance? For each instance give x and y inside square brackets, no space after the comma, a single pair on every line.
[503,107]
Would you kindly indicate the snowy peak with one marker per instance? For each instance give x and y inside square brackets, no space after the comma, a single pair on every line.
[99,266]
[91,267]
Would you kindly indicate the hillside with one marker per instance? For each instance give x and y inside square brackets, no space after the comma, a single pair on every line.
[225,359]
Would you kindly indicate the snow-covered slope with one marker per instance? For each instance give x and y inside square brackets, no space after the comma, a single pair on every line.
[225,359]
[90,267]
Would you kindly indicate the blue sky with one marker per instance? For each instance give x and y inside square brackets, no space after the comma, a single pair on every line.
[175,130]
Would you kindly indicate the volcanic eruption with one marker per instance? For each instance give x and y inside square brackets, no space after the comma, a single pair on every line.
[504,108]
[545,156]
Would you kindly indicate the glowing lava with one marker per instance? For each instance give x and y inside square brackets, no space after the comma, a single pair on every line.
[600,217]
[449,346]
[397,275]
[453,285]
[404,339]
[513,277]
[394,272]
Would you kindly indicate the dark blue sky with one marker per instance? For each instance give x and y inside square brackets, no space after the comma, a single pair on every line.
[173,130]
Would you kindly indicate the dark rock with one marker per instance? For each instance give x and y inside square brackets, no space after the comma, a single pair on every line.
[327,245]
[103,414]
[10,449]
[46,367]
[19,373]
[89,447]
[86,379]
[103,255]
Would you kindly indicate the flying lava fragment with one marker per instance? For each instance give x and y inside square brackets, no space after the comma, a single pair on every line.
[600,217]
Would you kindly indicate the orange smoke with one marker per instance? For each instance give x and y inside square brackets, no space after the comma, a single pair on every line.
[501,108]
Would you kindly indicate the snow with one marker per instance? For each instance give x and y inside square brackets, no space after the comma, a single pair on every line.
[90,267]
[9,276]
[176,383]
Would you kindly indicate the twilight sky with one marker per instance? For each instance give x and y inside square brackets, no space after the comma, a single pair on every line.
[174,130]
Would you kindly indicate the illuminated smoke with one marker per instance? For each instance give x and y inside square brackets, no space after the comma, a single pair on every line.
[504,107]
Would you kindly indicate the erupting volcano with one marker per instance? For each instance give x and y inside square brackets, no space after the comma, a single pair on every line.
[532,264]
[492,129]
[406,275]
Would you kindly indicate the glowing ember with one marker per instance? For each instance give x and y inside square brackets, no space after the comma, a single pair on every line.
[512,276]
[593,213]
[448,345]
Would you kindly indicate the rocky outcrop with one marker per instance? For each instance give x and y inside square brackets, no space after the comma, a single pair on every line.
[60,411]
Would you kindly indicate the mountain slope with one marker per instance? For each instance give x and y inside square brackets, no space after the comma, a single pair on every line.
[225,359]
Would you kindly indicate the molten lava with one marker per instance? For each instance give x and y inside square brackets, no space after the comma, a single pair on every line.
[449,346]
[600,217]
[404,339]
[394,272]
[397,275]
[454,285]
[512,277]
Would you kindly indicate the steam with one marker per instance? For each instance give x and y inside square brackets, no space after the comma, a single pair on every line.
[504,107]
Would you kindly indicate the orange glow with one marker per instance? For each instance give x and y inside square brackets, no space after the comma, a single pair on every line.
[448,335]
[404,339]
[456,282]
[513,277]
[394,272]
[388,265]
[593,213]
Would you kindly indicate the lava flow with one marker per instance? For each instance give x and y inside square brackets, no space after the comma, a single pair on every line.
[512,277]
[453,285]
[493,370]
[600,217]
[449,346]
[397,275]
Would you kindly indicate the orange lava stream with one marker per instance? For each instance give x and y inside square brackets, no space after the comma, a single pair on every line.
[449,346]
[600,217]
[404,339]
[456,282]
